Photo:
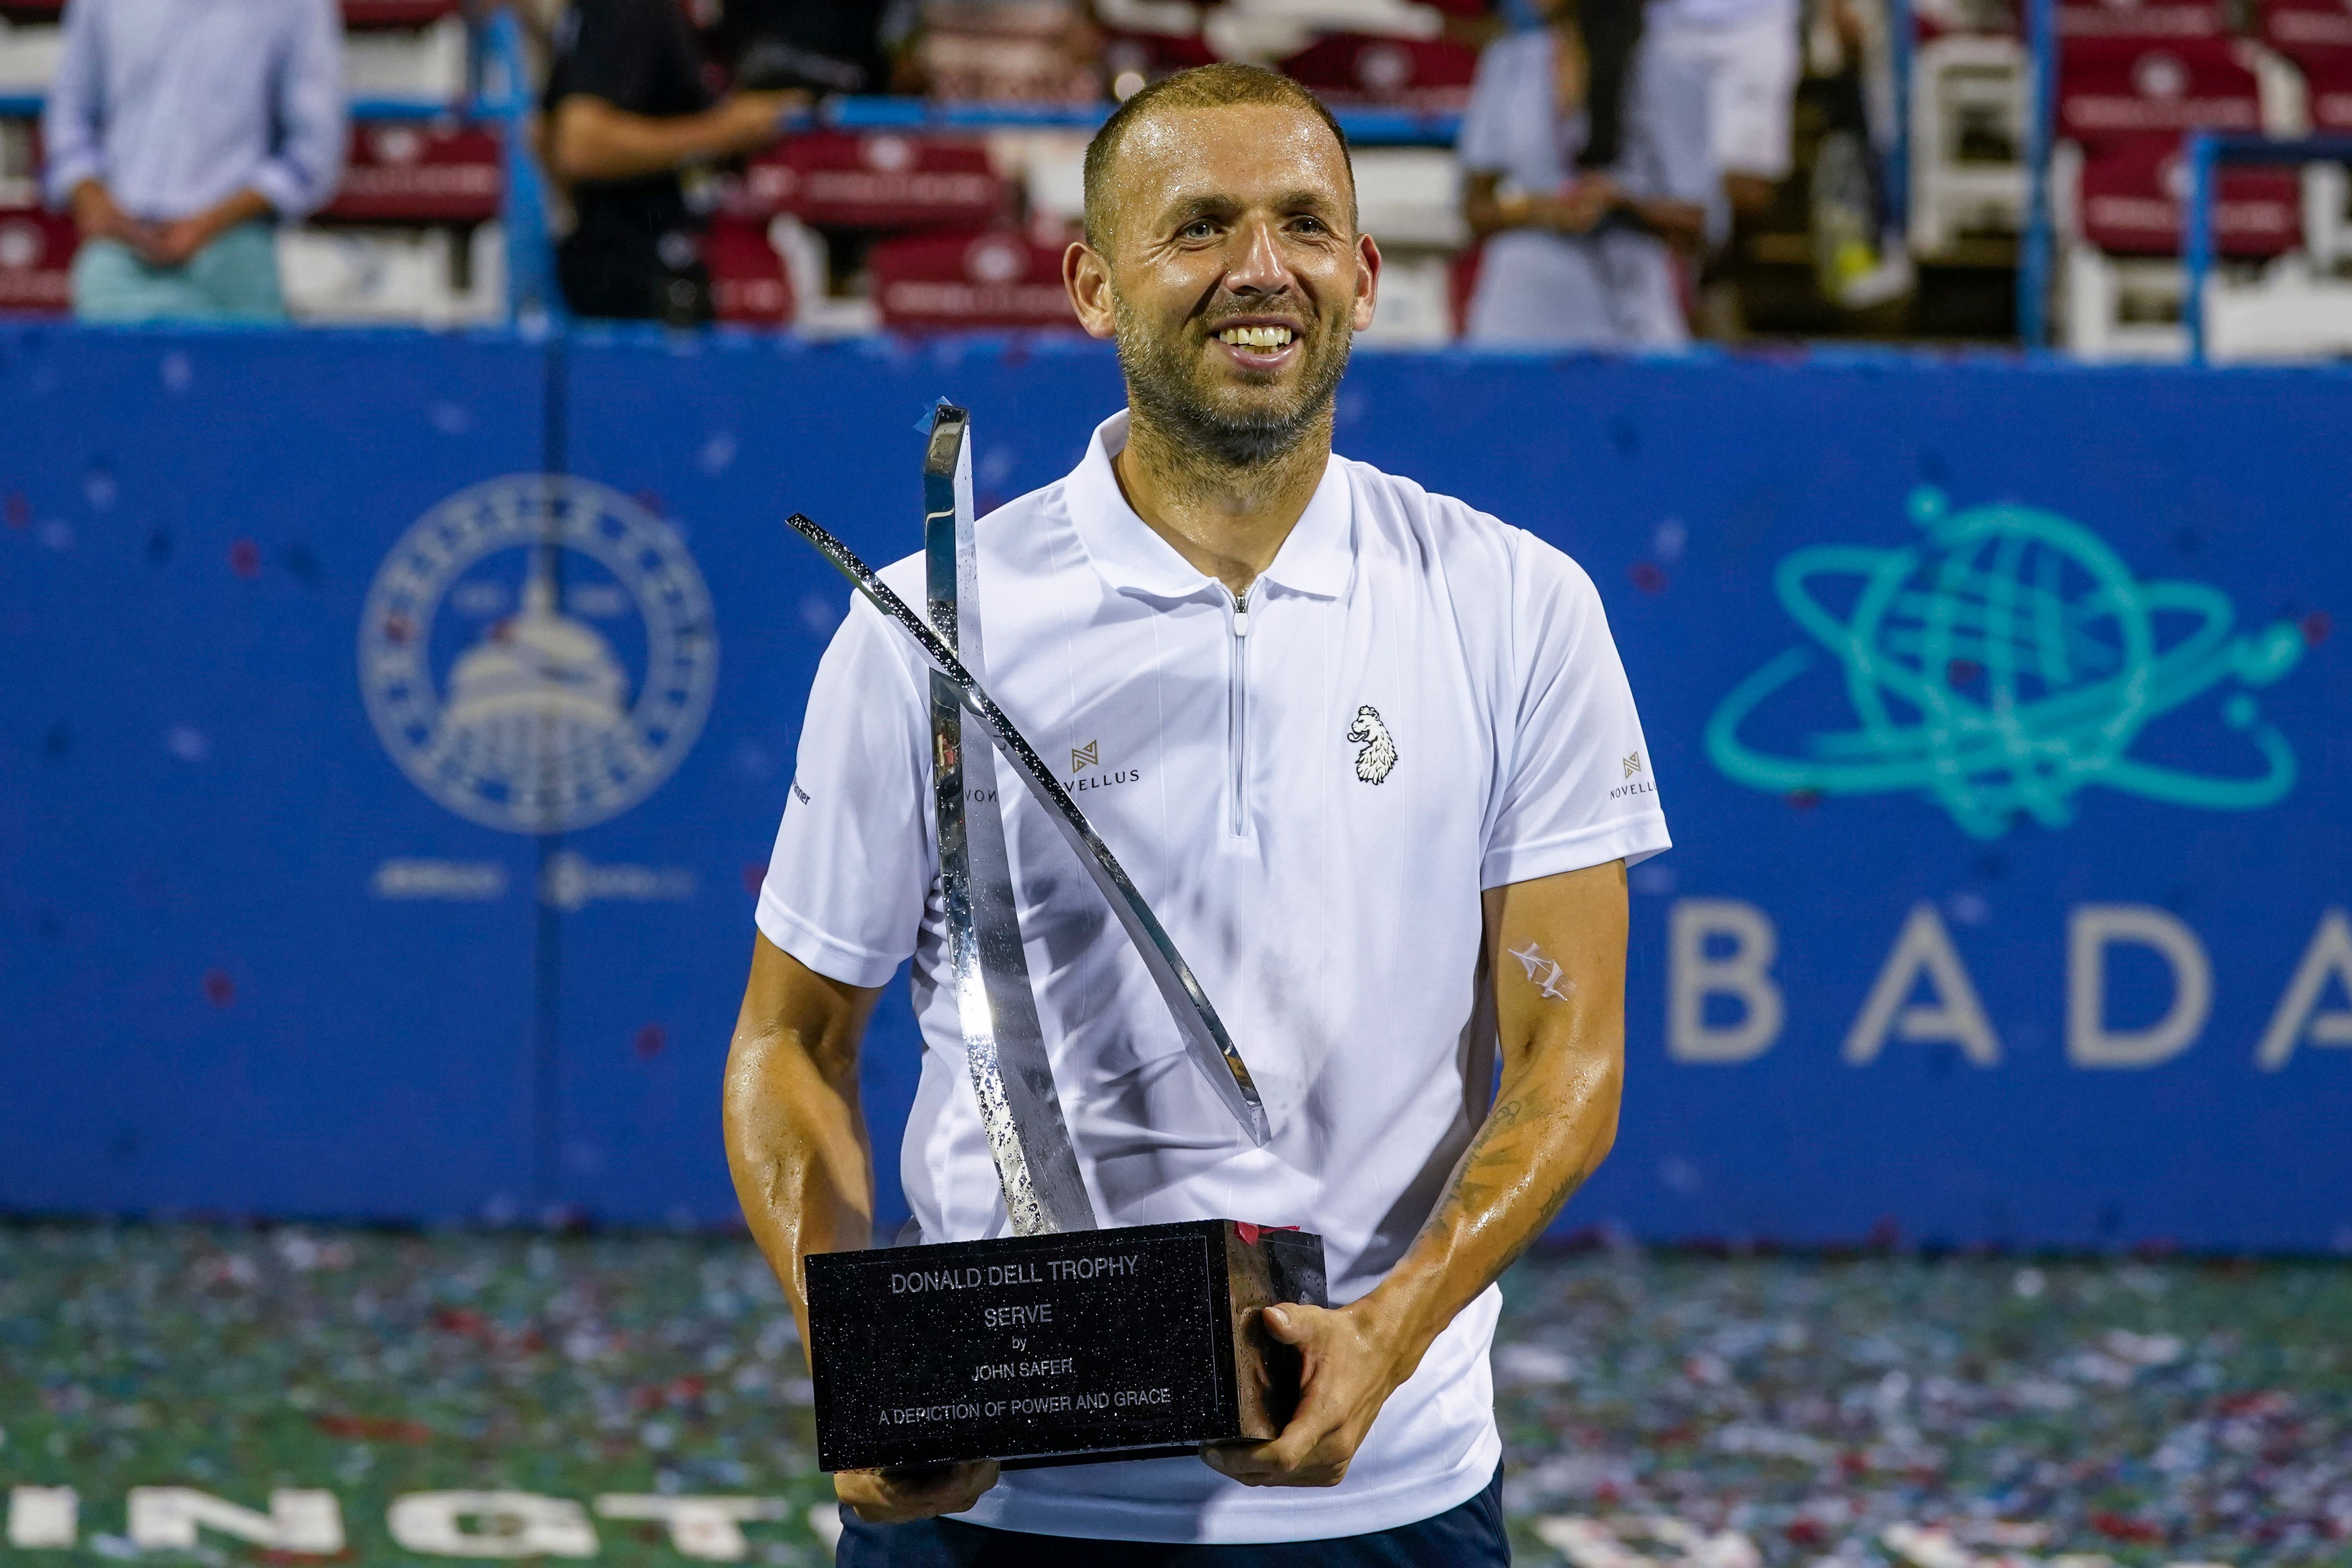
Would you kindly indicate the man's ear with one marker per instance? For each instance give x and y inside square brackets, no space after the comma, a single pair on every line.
[1085,273]
[1368,280]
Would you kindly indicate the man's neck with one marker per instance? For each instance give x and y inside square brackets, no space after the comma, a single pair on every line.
[1227,522]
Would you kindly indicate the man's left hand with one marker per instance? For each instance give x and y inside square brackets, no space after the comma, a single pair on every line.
[1353,1362]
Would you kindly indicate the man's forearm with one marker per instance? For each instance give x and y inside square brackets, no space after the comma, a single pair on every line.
[244,207]
[796,1133]
[593,139]
[1548,1130]
[1557,954]
[802,1170]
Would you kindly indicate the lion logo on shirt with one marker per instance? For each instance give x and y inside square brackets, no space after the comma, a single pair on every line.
[1378,752]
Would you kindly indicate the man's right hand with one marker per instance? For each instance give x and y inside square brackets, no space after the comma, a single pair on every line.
[759,117]
[894,1497]
[97,216]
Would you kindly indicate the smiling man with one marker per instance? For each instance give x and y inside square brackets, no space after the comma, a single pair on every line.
[1364,750]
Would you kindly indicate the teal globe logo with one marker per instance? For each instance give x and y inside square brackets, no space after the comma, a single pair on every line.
[2001,667]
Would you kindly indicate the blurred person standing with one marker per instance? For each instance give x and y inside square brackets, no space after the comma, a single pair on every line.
[1747,53]
[630,115]
[1586,164]
[176,132]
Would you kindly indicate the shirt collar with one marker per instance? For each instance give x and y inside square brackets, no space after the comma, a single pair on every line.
[1318,557]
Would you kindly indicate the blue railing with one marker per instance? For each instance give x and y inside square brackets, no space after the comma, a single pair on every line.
[1369,127]
[2208,152]
[2033,260]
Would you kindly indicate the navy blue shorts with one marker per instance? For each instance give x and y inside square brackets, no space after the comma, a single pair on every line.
[1470,1536]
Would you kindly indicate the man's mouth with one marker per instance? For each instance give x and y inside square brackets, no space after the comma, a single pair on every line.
[1255,336]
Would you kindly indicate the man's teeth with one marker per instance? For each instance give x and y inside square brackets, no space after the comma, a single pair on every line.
[1255,336]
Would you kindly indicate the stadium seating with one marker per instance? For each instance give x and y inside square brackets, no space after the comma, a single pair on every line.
[422,173]
[1968,144]
[434,276]
[2316,35]
[362,15]
[2133,19]
[2131,205]
[2125,100]
[36,251]
[28,55]
[2113,90]
[748,284]
[1430,75]
[423,65]
[875,182]
[996,278]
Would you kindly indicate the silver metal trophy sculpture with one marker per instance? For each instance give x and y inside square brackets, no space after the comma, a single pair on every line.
[902,1340]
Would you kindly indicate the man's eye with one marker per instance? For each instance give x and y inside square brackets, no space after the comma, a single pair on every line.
[1199,228]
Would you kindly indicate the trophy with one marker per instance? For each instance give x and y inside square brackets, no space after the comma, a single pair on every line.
[1062,1342]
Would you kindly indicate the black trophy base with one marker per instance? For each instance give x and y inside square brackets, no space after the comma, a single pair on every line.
[1055,1349]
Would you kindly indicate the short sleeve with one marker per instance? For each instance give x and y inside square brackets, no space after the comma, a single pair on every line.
[1482,145]
[604,49]
[1580,786]
[855,859]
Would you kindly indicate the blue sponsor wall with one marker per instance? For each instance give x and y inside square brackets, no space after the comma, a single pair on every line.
[1995,708]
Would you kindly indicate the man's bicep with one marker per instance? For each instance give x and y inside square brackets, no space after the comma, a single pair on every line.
[1556,947]
[826,1018]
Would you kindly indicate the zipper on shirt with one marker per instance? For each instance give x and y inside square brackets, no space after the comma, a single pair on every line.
[1237,710]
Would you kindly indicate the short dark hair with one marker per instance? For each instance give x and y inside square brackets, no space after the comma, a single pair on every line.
[1202,86]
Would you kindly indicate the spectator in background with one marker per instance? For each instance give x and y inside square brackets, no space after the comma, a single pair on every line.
[1747,52]
[630,116]
[1585,162]
[177,131]
[818,45]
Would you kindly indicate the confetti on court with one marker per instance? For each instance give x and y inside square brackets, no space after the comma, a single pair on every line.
[1657,1409]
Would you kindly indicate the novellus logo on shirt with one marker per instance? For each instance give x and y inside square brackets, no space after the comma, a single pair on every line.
[1090,755]
[1637,782]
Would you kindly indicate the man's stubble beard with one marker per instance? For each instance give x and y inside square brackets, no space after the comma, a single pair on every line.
[1164,386]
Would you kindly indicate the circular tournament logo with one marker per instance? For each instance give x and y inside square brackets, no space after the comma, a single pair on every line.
[537,652]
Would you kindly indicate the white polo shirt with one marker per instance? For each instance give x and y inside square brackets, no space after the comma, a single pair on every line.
[1415,703]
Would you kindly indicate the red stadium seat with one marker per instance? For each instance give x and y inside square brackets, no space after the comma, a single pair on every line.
[364,16]
[2131,205]
[748,282]
[997,278]
[1153,54]
[36,251]
[1426,74]
[421,174]
[2143,19]
[2111,90]
[874,182]
[2327,76]
[2316,36]
[2291,27]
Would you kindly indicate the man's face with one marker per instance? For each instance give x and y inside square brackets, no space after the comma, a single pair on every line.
[1235,280]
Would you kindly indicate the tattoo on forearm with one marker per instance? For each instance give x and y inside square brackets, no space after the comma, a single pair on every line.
[1499,1159]
[1543,972]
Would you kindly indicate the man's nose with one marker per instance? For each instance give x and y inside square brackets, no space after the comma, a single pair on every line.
[1258,269]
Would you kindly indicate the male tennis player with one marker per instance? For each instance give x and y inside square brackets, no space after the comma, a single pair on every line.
[1366,751]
